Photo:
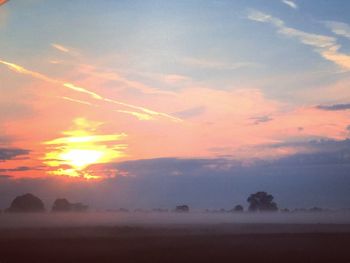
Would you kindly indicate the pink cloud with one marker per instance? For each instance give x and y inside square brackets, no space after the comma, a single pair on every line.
[224,126]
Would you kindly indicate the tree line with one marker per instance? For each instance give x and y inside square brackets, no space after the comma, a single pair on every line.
[258,202]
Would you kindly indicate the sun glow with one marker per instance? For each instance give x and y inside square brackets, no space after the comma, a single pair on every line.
[81,158]
[82,148]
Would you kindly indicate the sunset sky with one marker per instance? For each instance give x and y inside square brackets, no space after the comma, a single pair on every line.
[179,98]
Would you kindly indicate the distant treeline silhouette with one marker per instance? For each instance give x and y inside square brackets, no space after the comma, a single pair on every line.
[258,202]
[29,203]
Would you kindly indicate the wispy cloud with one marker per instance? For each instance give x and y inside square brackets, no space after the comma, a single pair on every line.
[11,153]
[261,119]
[138,115]
[78,101]
[108,74]
[335,107]
[188,113]
[175,79]
[19,169]
[94,95]
[339,28]
[320,146]
[60,48]
[64,49]
[326,46]
[290,4]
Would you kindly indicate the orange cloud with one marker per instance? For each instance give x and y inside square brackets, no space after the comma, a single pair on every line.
[94,95]
[3,2]
[223,126]
[81,148]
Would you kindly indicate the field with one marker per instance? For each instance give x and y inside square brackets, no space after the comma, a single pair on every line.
[222,242]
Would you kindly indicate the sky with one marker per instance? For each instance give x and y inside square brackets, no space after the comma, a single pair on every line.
[155,103]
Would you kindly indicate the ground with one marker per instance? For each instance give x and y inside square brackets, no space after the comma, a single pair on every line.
[178,243]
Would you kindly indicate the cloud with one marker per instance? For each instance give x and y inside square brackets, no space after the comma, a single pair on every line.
[261,119]
[317,145]
[94,95]
[215,119]
[290,4]
[65,50]
[334,107]
[79,101]
[167,166]
[3,2]
[60,48]
[191,112]
[325,152]
[339,28]
[301,180]
[19,169]
[106,74]
[138,115]
[328,93]
[326,46]
[11,153]
[174,180]
[175,79]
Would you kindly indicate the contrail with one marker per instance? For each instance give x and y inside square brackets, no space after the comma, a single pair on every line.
[138,115]
[60,48]
[145,110]
[79,101]
[22,70]
[82,90]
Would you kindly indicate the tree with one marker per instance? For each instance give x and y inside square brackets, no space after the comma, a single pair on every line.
[182,209]
[26,203]
[63,205]
[238,208]
[261,201]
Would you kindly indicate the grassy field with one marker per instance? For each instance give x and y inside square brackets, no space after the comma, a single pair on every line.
[178,243]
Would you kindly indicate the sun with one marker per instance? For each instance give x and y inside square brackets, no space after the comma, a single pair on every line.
[79,159]
[81,148]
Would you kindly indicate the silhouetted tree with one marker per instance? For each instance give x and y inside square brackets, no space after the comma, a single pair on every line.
[63,205]
[261,201]
[182,209]
[238,208]
[316,209]
[26,203]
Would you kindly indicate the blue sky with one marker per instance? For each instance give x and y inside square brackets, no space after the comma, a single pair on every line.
[163,37]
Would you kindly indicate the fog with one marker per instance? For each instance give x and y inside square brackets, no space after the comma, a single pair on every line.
[166,219]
